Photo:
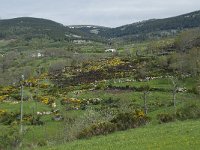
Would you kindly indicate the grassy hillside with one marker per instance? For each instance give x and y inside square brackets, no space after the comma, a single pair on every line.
[177,136]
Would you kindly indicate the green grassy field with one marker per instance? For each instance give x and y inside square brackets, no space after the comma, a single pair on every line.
[171,136]
[177,135]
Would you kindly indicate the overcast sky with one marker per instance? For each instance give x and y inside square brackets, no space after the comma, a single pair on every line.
[110,13]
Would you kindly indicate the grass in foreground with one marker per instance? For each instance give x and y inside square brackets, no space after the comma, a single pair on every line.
[172,136]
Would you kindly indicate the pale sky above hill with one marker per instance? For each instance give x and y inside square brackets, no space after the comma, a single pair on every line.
[109,13]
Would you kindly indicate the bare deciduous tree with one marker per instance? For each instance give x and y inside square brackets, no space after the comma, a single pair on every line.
[175,86]
[146,90]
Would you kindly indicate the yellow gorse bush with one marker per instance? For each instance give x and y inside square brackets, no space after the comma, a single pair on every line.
[31,82]
[7,90]
[103,64]
[139,113]
[44,85]
[72,100]
[94,68]
[2,98]
[47,99]
[2,112]
[115,62]
[44,76]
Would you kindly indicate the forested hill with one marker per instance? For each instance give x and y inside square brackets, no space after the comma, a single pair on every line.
[155,26]
[28,28]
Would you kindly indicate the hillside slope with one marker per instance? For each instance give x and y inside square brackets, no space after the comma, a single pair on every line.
[178,135]
[155,27]
[27,28]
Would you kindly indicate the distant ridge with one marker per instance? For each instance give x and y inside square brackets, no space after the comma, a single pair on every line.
[27,28]
[157,26]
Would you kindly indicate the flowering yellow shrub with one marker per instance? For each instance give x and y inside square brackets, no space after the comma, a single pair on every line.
[44,85]
[45,100]
[140,113]
[2,98]
[115,62]
[44,76]
[7,90]
[31,82]
[94,66]
[72,100]
[2,112]
[48,100]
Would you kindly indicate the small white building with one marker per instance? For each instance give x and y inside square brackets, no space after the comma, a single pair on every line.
[79,41]
[111,50]
[38,55]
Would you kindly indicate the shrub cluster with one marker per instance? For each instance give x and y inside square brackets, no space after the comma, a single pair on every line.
[9,118]
[76,104]
[165,117]
[10,138]
[195,90]
[130,120]
[122,121]
[102,128]
[191,111]
[48,100]
[188,111]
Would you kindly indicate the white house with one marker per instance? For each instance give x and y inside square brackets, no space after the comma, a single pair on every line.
[38,55]
[111,50]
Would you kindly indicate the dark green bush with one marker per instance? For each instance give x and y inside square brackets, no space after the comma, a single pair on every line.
[9,118]
[189,111]
[36,121]
[110,102]
[28,119]
[102,128]
[130,120]
[42,143]
[10,138]
[195,90]
[16,96]
[165,117]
